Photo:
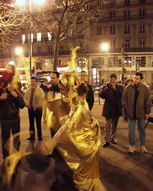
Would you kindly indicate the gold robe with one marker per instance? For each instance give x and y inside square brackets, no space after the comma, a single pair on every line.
[53,111]
[78,141]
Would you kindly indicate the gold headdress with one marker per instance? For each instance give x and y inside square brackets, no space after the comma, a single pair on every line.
[70,79]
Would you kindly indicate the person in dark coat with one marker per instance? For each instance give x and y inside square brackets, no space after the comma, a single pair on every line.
[10,103]
[90,94]
[112,110]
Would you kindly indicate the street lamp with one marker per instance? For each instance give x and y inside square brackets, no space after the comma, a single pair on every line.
[19,51]
[105,47]
[28,4]
[123,62]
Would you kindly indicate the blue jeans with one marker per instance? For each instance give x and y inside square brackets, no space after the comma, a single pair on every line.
[141,130]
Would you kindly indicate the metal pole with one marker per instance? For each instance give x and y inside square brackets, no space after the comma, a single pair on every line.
[88,65]
[123,67]
[30,38]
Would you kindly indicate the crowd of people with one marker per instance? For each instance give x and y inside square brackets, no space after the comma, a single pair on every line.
[64,106]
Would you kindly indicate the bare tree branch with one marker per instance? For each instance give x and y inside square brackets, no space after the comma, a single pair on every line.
[11,20]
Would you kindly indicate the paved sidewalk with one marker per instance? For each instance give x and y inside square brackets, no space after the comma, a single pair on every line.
[119,170]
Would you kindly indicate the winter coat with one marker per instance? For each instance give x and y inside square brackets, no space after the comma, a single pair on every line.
[38,98]
[112,104]
[90,97]
[9,108]
[143,103]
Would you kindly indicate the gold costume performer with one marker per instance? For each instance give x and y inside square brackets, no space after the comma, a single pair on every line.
[79,138]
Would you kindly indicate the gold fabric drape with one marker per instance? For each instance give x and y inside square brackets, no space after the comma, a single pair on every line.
[53,111]
[78,141]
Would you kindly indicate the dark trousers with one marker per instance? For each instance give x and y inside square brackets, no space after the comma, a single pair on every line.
[111,127]
[8,126]
[35,115]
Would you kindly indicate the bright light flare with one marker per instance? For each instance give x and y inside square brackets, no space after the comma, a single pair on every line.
[19,51]
[105,47]
[24,3]
[20,2]
[38,2]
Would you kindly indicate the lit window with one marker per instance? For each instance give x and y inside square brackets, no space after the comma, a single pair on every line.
[142,2]
[112,29]
[141,61]
[39,36]
[31,37]
[142,13]
[142,43]
[126,14]
[23,38]
[126,28]
[98,30]
[127,2]
[112,15]
[49,34]
[126,44]
[142,28]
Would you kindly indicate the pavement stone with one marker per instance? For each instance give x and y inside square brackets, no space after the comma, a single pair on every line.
[119,170]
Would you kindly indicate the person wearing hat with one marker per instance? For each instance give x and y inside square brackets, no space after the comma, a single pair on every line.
[112,110]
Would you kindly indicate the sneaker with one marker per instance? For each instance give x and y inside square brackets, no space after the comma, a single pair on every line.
[113,141]
[143,149]
[105,145]
[131,149]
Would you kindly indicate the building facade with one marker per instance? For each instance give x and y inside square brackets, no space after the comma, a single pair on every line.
[126,25]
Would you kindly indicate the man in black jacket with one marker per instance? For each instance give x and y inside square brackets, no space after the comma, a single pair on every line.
[112,110]
[10,102]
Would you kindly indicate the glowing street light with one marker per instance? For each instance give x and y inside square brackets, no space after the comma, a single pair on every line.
[28,4]
[105,47]
[21,3]
[19,51]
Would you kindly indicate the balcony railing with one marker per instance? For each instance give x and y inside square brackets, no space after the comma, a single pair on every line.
[130,18]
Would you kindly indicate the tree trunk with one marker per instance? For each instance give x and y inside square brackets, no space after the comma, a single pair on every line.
[56,53]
